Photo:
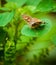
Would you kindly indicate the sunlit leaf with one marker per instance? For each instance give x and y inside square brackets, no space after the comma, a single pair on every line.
[32,8]
[5,18]
[45,5]
[18,2]
[11,5]
[33,2]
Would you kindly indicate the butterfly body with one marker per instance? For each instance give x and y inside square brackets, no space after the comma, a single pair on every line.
[32,22]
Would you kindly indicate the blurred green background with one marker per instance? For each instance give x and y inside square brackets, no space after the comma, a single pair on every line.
[20,45]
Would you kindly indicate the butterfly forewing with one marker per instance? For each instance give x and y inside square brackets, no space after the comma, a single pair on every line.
[32,22]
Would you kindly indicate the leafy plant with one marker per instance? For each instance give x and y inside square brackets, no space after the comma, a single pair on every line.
[5,18]
[17,2]
[19,42]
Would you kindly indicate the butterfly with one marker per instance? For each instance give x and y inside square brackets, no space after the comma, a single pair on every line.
[32,22]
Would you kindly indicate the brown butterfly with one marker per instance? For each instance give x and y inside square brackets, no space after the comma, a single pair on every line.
[32,22]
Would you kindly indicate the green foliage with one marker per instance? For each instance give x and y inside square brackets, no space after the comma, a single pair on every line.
[54,6]
[17,39]
[33,2]
[45,5]
[31,8]
[3,35]
[4,9]
[53,40]
[46,28]
[1,51]
[5,18]
[28,31]
[52,54]
[40,5]
[20,45]
[9,53]
[19,3]
[11,5]
[37,32]
[24,38]
[36,49]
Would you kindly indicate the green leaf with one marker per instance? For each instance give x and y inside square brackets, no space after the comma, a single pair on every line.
[37,32]
[31,8]
[45,5]
[11,5]
[3,9]
[33,2]
[46,28]
[28,31]
[24,38]
[18,2]
[5,18]
[54,6]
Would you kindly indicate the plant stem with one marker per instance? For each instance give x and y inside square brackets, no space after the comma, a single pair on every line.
[16,33]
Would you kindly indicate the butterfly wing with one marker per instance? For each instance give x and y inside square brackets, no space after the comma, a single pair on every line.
[32,22]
